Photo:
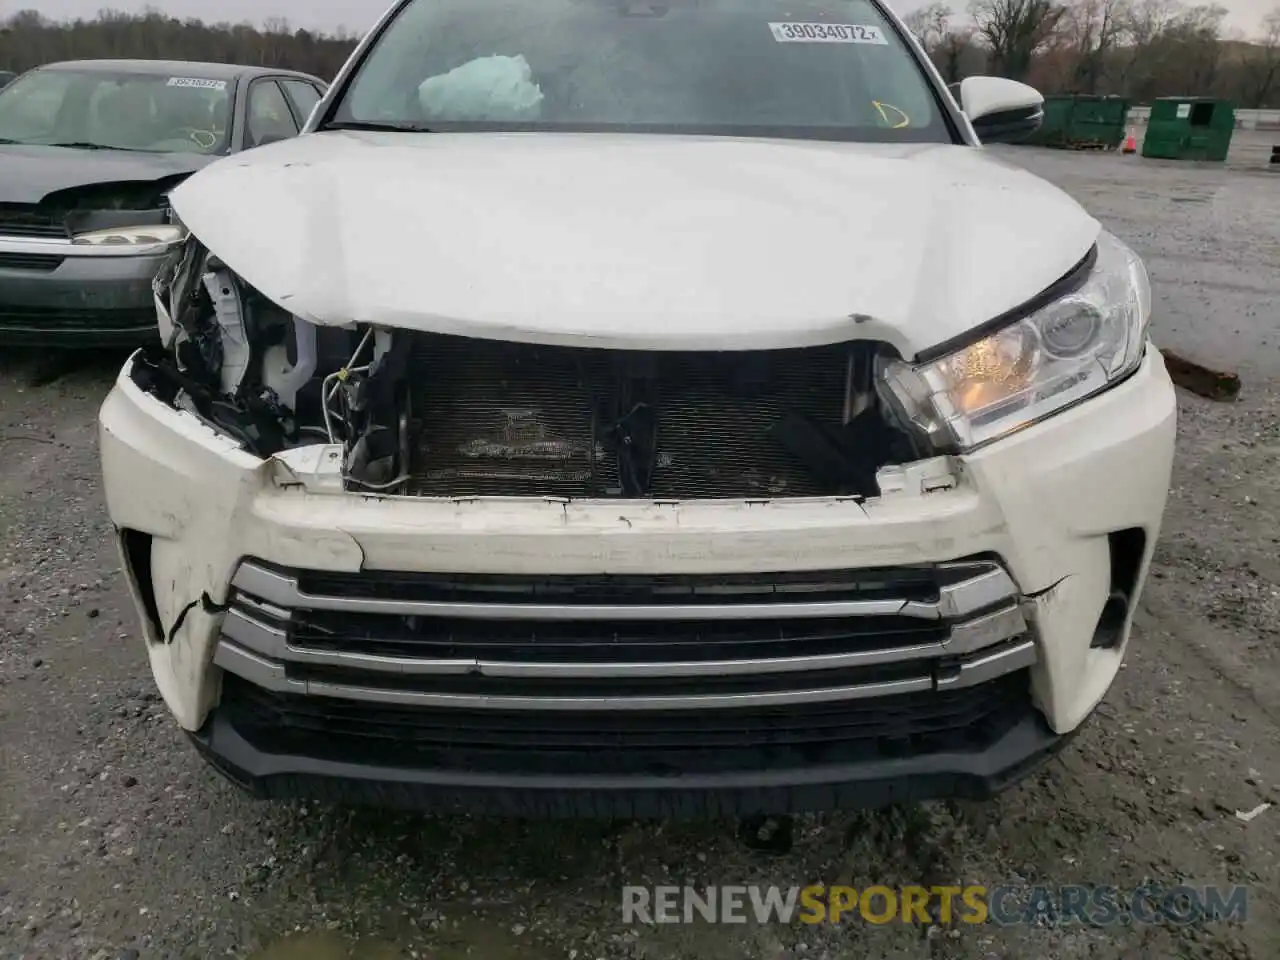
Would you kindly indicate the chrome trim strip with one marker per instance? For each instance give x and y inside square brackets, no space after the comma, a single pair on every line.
[272,676]
[966,638]
[273,643]
[992,665]
[16,243]
[255,606]
[969,636]
[65,247]
[968,596]
[956,600]
[257,670]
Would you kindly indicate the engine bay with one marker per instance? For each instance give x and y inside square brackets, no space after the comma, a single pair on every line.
[427,414]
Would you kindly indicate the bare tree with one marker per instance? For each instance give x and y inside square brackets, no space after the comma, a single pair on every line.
[1262,67]
[1014,30]
[930,25]
[1147,19]
[1091,30]
[1193,47]
[958,56]
[950,48]
[276,38]
[1173,48]
[28,39]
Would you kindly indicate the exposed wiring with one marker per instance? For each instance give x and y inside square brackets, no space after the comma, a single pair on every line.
[330,389]
[330,385]
[636,434]
[403,478]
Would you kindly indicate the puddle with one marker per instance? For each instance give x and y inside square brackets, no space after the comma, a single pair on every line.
[328,946]
[469,938]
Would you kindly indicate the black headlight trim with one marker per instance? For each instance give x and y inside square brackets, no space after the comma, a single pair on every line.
[1071,281]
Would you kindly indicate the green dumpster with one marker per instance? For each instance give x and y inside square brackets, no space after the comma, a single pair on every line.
[1080,122]
[1057,114]
[1189,128]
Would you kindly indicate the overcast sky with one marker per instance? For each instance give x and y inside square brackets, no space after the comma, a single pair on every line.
[356,15]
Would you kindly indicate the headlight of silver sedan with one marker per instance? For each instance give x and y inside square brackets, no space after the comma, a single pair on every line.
[159,233]
[1060,354]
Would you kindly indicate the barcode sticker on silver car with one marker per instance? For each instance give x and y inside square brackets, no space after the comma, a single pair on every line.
[827,33]
[197,82]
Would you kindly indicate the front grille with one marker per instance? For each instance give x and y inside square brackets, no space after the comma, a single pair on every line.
[638,671]
[891,583]
[625,742]
[596,641]
[600,639]
[35,262]
[24,220]
[58,319]
[497,418]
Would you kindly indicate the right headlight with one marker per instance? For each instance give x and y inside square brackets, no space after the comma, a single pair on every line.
[1063,352]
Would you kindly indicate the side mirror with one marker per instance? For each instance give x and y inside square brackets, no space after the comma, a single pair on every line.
[1001,111]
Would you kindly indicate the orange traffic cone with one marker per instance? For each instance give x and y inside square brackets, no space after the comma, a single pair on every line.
[1130,145]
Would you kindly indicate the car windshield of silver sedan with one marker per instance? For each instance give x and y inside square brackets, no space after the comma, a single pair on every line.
[820,69]
[96,109]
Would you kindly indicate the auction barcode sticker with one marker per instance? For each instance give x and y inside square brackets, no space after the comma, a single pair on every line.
[197,82]
[827,33]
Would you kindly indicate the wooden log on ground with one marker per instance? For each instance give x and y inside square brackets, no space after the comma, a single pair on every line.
[1201,380]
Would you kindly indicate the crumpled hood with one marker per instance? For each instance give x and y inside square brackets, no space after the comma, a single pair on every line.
[642,242]
[29,173]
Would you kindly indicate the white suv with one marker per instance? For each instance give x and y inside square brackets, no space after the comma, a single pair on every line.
[637,409]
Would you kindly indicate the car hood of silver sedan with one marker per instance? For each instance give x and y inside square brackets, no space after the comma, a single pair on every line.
[34,173]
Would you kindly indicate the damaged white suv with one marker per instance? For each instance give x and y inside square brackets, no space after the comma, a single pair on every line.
[618,408]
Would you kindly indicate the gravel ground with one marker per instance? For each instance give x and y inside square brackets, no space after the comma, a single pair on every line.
[116,842]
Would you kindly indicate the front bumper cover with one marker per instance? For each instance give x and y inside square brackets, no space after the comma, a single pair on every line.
[56,295]
[1048,501]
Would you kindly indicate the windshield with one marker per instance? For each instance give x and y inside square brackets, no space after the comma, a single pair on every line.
[829,69]
[121,111]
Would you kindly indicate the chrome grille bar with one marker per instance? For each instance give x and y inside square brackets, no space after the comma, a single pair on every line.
[955,600]
[981,634]
[271,642]
[272,676]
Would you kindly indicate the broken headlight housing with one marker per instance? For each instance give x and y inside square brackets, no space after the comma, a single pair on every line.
[1054,357]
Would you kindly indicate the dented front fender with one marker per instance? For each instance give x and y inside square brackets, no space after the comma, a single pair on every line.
[196,503]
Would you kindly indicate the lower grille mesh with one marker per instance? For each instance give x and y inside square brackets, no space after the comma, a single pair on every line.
[626,742]
[25,220]
[496,418]
[56,319]
[35,262]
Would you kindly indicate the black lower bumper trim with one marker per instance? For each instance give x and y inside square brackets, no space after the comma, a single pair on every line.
[77,338]
[864,785]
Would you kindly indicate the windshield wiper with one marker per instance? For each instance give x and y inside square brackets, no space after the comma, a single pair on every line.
[84,145]
[398,126]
